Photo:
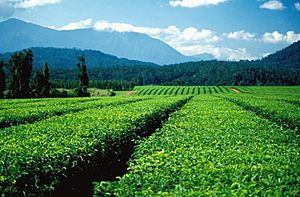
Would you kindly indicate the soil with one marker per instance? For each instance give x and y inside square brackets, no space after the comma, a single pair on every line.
[236,90]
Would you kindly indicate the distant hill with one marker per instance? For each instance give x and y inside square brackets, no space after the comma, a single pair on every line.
[277,69]
[280,68]
[66,58]
[16,35]
[287,57]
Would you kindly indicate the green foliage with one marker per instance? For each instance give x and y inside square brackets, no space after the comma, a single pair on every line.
[13,113]
[2,79]
[203,73]
[278,109]
[41,153]
[219,143]
[81,92]
[64,58]
[181,90]
[212,147]
[20,67]
[289,56]
[83,77]
[47,85]
[38,85]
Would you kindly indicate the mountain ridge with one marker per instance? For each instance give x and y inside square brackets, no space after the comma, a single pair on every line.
[17,35]
[286,56]
[66,58]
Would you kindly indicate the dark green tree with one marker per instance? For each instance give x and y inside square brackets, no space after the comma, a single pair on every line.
[2,79]
[20,67]
[14,65]
[46,91]
[83,77]
[26,70]
[38,85]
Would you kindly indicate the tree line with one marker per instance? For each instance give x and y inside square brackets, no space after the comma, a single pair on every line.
[19,82]
[203,73]
[284,71]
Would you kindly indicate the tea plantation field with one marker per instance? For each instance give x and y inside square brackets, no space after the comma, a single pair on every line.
[160,141]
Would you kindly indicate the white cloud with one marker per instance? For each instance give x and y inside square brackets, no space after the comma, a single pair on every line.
[224,53]
[78,25]
[8,7]
[194,3]
[241,35]
[35,3]
[291,37]
[189,41]
[190,34]
[297,6]
[193,41]
[273,5]
[276,37]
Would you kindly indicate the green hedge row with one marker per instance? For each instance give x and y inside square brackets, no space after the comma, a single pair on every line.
[212,147]
[31,112]
[181,90]
[43,152]
[286,112]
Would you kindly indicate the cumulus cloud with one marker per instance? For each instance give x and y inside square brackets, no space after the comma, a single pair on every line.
[276,37]
[241,35]
[224,53]
[297,6]
[192,34]
[170,34]
[194,3]
[125,27]
[273,5]
[34,3]
[8,7]
[78,25]
[189,41]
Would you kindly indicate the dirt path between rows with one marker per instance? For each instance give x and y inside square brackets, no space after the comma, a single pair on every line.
[236,90]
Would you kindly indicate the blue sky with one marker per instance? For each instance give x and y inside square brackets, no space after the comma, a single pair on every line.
[227,29]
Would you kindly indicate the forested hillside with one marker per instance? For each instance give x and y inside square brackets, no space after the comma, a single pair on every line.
[288,57]
[281,68]
[106,71]
[190,73]
[59,58]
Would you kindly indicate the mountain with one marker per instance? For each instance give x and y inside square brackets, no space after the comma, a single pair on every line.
[16,35]
[287,57]
[66,58]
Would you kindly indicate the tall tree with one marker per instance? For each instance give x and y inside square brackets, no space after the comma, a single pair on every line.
[83,76]
[41,84]
[26,70]
[2,79]
[46,92]
[20,67]
[38,85]
[14,65]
